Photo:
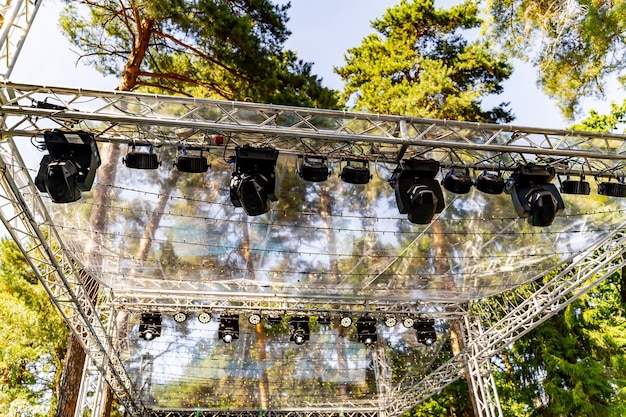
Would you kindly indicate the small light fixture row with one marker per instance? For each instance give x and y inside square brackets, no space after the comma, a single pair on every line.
[150,326]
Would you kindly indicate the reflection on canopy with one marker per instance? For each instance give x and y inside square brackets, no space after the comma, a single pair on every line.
[343,241]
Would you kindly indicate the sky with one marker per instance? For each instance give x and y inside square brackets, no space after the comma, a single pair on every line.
[322,32]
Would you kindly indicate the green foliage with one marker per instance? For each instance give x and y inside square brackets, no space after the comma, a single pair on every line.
[608,122]
[33,340]
[221,49]
[573,364]
[418,65]
[575,44]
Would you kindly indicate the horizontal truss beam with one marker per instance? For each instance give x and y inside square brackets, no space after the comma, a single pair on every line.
[129,118]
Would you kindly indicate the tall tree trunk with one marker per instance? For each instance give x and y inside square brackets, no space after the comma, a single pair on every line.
[71,379]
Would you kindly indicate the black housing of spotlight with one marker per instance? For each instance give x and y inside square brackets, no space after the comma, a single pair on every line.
[613,189]
[228,329]
[150,325]
[366,330]
[324,320]
[70,166]
[313,168]
[418,193]
[356,171]
[253,181]
[534,197]
[425,331]
[274,320]
[299,330]
[490,183]
[141,160]
[575,187]
[191,160]
[458,182]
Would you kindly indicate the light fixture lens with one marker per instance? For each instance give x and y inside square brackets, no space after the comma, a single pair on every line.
[391,321]
[345,322]
[180,317]
[204,317]
[408,322]
[254,319]
[228,338]
[299,339]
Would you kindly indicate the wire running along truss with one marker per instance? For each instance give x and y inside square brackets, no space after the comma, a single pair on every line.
[129,118]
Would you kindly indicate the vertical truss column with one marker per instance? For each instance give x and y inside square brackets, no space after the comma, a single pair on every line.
[483,385]
[91,391]
[17,18]
[24,215]
[383,375]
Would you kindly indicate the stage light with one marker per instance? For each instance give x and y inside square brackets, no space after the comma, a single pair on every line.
[425,331]
[613,189]
[254,318]
[366,331]
[345,321]
[575,187]
[534,197]
[457,182]
[391,321]
[355,171]
[417,192]
[228,329]
[253,181]
[408,322]
[204,317]
[313,168]
[70,166]
[274,320]
[490,183]
[150,326]
[324,320]
[180,317]
[299,330]
[141,160]
[191,160]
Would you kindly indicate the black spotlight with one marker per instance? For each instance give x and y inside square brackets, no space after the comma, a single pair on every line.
[490,183]
[313,168]
[613,189]
[191,160]
[458,182]
[180,317]
[418,193]
[274,320]
[324,319]
[570,186]
[253,181]
[366,330]
[150,326]
[534,197]
[141,159]
[229,328]
[425,331]
[70,166]
[299,330]
[356,171]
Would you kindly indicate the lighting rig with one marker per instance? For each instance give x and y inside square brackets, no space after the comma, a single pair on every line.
[534,196]
[228,329]
[191,159]
[366,331]
[139,159]
[313,168]
[418,193]
[253,180]
[425,331]
[70,165]
[355,171]
[150,326]
[299,330]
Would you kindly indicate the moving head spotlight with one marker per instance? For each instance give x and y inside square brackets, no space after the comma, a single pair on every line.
[253,181]
[70,166]
[534,196]
[418,193]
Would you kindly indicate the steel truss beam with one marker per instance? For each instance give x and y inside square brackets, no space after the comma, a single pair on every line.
[267,413]
[164,301]
[596,264]
[18,16]
[170,121]
[23,214]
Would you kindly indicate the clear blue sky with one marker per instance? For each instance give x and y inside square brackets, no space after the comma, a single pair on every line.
[322,31]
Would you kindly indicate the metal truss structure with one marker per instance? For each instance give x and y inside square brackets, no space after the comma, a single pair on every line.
[17,18]
[168,122]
